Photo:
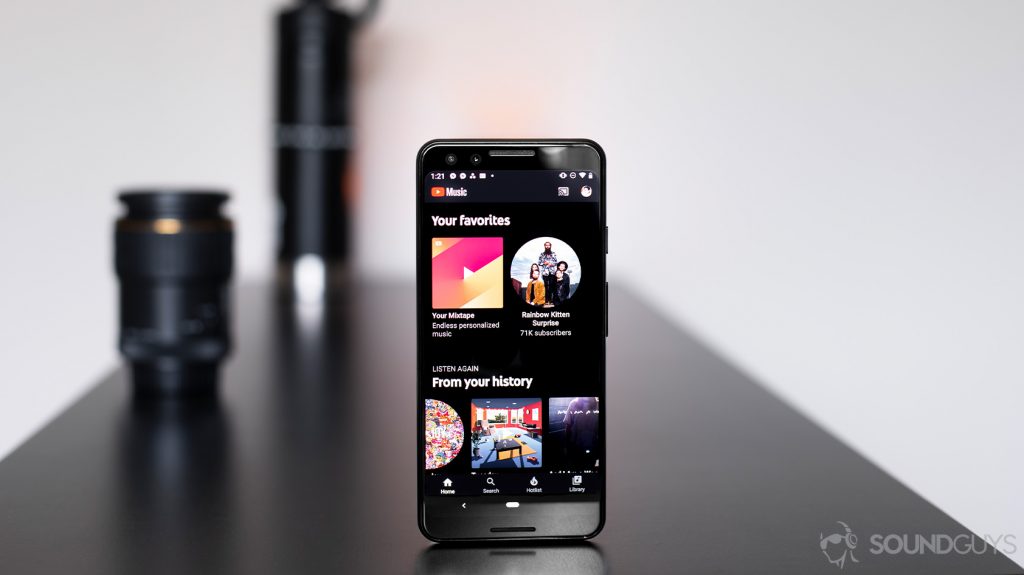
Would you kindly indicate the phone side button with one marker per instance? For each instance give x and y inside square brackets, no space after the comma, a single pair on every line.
[606,309]
[606,239]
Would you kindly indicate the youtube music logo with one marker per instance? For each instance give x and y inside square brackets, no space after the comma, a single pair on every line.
[441,192]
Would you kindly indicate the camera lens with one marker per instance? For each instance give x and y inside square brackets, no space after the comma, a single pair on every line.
[450,159]
[172,253]
[475,159]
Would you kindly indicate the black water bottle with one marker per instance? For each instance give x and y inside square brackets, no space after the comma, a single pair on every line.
[312,140]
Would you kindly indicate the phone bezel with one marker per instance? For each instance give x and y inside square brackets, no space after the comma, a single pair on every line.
[568,517]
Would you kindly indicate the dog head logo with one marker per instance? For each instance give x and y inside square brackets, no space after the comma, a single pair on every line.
[838,546]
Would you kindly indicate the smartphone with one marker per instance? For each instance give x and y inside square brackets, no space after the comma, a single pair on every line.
[512,299]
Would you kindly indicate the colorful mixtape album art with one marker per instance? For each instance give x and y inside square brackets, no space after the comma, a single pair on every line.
[444,433]
[466,273]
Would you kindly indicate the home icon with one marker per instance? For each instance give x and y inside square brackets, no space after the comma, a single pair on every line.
[447,482]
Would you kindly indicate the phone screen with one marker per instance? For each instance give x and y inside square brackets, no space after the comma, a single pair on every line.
[512,326]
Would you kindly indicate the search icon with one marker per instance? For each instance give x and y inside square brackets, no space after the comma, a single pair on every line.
[490,481]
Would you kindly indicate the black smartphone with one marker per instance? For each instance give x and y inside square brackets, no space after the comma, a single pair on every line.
[512,313]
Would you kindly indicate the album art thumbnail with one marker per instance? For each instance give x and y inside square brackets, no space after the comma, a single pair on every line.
[466,273]
[545,272]
[506,433]
[574,430]
[444,433]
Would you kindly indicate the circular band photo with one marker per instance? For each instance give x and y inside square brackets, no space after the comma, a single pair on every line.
[545,272]
[444,433]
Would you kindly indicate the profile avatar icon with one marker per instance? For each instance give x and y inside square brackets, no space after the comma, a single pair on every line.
[838,546]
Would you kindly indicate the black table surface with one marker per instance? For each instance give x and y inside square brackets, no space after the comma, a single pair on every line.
[306,464]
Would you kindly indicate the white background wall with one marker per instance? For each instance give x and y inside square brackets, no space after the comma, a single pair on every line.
[829,193]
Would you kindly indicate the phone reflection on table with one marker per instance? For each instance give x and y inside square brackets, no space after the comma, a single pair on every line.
[511,559]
